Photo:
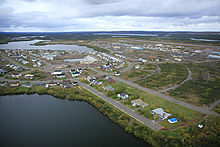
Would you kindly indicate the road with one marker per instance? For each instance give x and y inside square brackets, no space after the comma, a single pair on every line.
[189,77]
[212,105]
[123,108]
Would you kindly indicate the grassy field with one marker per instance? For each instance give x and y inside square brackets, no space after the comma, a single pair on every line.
[143,71]
[217,109]
[204,88]
[171,74]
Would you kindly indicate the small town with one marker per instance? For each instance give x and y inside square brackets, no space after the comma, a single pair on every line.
[110,73]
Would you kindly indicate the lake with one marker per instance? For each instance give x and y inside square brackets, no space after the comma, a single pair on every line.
[43,120]
[26,45]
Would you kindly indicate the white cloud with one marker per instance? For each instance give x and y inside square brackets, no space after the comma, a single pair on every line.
[92,15]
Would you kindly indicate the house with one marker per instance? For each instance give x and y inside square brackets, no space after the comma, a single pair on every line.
[142,60]
[108,88]
[40,84]
[137,66]
[122,95]
[25,62]
[72,71]
[117,73]
[14,84]
[29,76]
[3,83]
[56,72]
[161,114]
[26,84]
[77,74]
[88,78]
[80,70]
[52,83]
[74,83]
[15,75]
[139,102]
[3,72]
[61,75]
[178,59]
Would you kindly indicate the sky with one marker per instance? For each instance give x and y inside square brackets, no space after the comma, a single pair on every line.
[109,15]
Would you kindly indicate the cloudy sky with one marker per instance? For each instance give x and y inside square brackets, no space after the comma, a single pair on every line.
[109,15]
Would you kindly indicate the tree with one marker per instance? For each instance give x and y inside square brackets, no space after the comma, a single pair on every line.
[155,116]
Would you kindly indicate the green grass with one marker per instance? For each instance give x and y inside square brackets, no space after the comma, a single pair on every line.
[171,74]
[217,109]
[138,73]
[199,90]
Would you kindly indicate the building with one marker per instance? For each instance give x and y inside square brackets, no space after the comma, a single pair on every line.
[29,76]
[3,83]
[14,84]
[26,84]
[117,73]
[139,102]
[137,66]
[56,72]
[76,74]
[3,72]
[61,75]
[123,95]
[161,114]
[88,60]
[16,76]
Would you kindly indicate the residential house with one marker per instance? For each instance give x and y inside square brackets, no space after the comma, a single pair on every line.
[137,66]
[52,83]
[139,102]
[74,83]
[117,73]
[123,95]
[40,84]
[15,75]
[3,83]
[161,114]
[76,74]
[61,75]
[56,72]
[26,84]
[3,72]
[29,76]
[14,84]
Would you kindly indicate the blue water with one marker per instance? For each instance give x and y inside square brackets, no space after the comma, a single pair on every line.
[45,121]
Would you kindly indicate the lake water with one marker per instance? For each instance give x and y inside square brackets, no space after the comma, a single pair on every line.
[42,120]
[26,45]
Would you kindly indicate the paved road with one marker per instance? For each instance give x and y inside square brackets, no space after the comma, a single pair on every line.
[195,108]
[123,108]
[212,105]
[189,77]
